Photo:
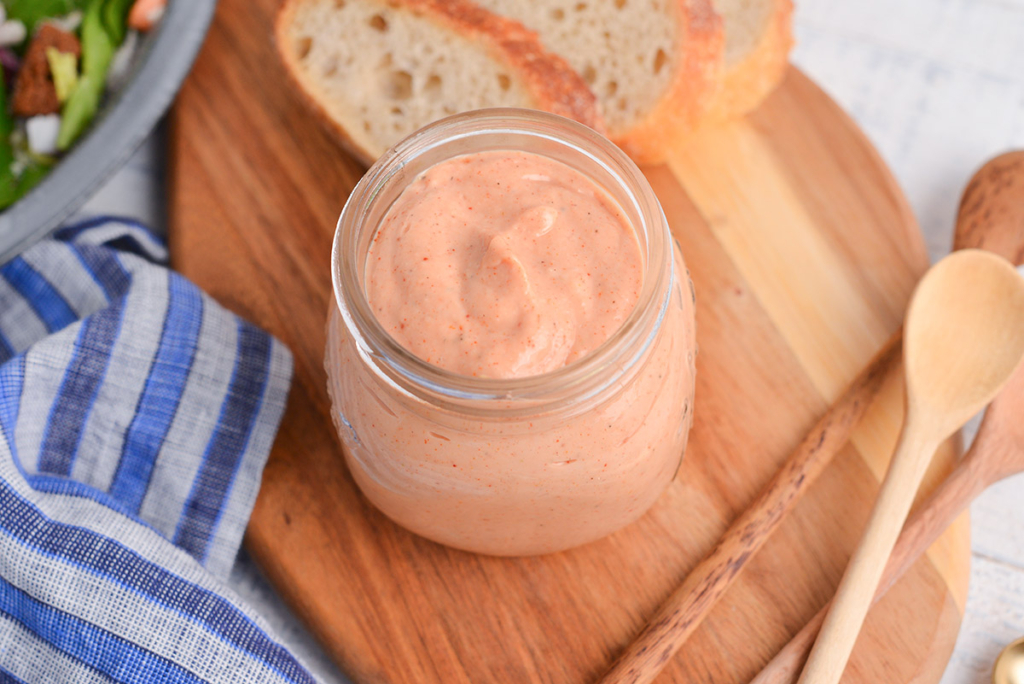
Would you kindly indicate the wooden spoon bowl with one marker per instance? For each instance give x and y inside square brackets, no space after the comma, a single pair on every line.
[963,339]
[991,216]
[964,336]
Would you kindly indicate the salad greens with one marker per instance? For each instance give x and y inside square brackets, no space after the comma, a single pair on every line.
[13,187]
[97,51]
[31,12]
[64,71]
[8,183]
[115,16]
[35,127]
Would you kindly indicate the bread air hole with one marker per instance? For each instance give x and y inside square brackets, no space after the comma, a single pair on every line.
[660,60]
[331,68]
[399,85]
[619,4]
[433,86]
[589,74]
[386,60]
[612,88]
[378,22]
[504,82]
[580,6]
[558,14]
[303,46]
[339,4]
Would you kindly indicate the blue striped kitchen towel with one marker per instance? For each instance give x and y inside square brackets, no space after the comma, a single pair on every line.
[136,416]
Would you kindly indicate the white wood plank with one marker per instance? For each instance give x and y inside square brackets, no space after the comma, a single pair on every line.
[977,35]
[908,71]
[998,523]
[995,617]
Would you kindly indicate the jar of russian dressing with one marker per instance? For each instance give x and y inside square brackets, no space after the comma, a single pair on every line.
[510,352]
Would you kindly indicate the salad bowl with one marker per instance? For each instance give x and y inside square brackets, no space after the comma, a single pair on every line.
[126,118]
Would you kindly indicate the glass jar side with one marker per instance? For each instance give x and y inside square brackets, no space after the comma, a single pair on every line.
[524,466]
[522,485]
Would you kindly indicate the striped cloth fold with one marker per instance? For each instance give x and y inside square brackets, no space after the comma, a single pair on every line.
[136,415]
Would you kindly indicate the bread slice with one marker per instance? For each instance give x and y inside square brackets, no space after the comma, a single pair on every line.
[653,64]
[378,70]
[758,38]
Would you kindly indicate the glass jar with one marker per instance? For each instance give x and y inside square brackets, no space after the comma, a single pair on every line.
[526,465]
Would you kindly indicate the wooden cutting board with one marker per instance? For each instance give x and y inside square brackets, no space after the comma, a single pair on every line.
[804,253]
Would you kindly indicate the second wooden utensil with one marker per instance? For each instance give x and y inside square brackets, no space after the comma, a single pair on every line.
[991,217]
[964,336]
[997,453]
[690,603]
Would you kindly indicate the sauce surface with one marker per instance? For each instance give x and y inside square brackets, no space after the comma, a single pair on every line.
[503,264]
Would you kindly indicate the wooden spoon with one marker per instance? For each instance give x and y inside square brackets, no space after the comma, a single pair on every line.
[963,338]
[691,602]
[991,217]
[997,453]
[991,211]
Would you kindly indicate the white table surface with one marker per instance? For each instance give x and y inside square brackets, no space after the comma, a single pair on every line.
[938,85]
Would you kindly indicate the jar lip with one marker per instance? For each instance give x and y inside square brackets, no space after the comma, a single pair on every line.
[583,376]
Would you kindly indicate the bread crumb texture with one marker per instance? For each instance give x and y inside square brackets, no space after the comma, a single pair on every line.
[384,71]
[625,49]
[745,24]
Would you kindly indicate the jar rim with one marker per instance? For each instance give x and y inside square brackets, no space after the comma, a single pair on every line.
[582,378]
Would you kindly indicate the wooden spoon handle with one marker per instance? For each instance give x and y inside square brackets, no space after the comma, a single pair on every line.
[925,526]
[854,596]
[690,603]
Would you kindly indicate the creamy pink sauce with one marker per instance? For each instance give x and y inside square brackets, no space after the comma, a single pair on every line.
[503,264]
[506,264]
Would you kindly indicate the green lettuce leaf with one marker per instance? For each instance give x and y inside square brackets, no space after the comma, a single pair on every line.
[31,12]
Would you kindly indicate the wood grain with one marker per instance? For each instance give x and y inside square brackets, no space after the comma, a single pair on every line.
[991,217]
[692,600]
[997,453]
[961,346]
[256,188]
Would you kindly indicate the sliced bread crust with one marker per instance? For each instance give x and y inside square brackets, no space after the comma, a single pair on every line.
[653,64]
[686,102]
[545,80]
[750,76]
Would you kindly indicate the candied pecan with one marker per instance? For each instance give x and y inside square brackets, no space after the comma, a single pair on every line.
[34,92]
